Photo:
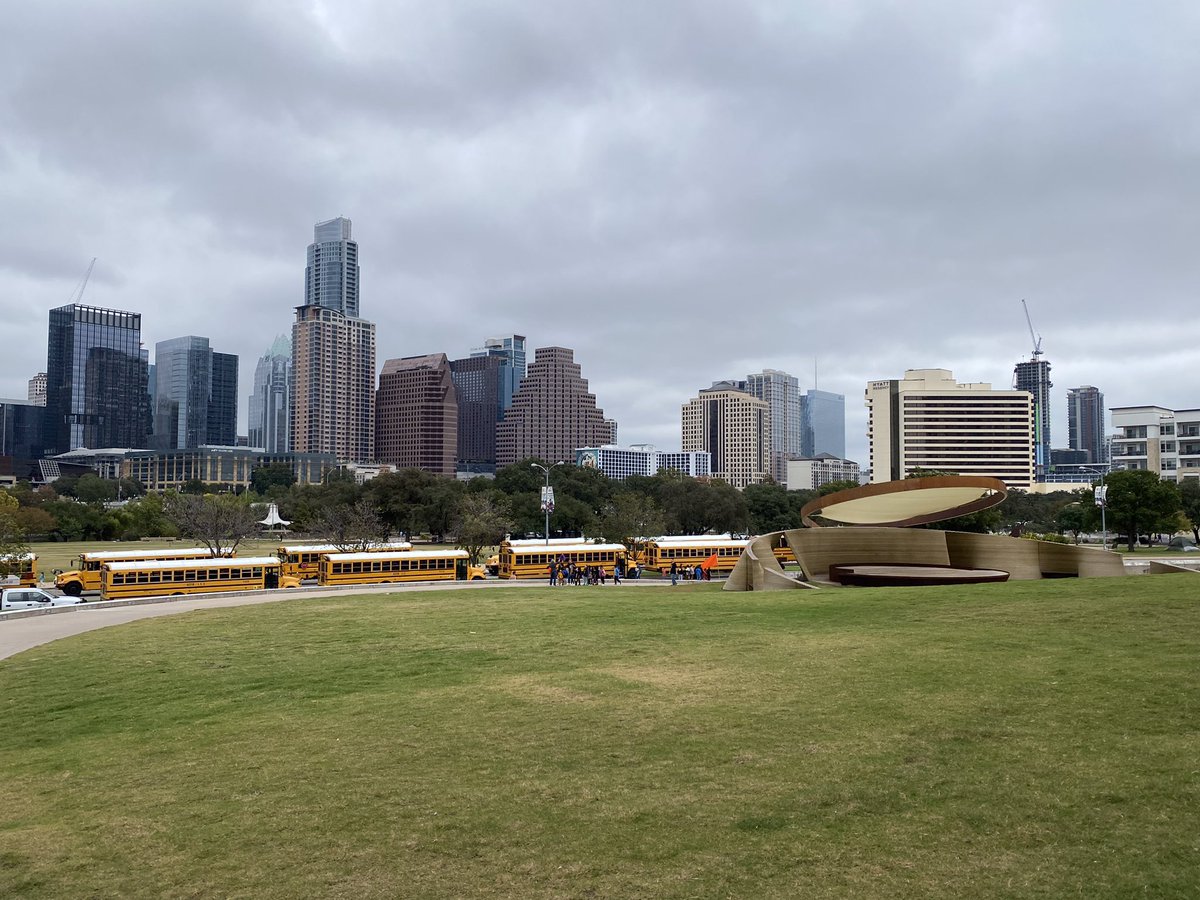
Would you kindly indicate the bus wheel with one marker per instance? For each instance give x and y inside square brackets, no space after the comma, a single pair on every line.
[477,578]
[177,594]
[73,588]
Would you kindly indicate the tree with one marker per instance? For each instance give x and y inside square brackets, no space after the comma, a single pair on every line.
[263,478]
[630,519]
[91,488]
[350,527]
[769,508]
[13,548]
[1138,501]
[482,521]
[1189,496]
[1074,518]
[218,521]
[832,487]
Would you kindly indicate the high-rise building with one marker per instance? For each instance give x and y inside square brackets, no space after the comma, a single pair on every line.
[37,390]
[1166,441]
[478,384]
[1034,376]
[926,420]
[734,428]
[223,401]
[823,415]
[331,277]
[781,392]
[1085,422]
[21,428]
[416,414]
[270,405]
[510,351]
[96,374]
[333,354]
[195,395]
[552,412]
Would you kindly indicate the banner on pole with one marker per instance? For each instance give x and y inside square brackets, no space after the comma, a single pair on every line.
[547,499]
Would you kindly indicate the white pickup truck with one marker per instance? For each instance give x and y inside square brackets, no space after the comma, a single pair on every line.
[32,598]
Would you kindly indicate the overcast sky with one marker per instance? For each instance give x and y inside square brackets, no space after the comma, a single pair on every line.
[679,191]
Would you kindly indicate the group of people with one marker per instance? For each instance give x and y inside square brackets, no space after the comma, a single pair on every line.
[563,572]
[699,573]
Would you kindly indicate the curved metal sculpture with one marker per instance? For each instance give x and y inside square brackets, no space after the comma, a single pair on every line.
[913,501]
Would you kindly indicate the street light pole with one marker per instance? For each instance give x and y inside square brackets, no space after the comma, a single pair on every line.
[1101,501]
[545,505]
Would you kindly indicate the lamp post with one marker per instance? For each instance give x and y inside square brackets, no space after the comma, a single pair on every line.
[547,495]
[1101,500]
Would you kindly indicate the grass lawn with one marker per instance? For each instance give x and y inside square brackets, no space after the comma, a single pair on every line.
[1012,740]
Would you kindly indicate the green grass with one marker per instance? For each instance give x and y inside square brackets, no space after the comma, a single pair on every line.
[1014,740]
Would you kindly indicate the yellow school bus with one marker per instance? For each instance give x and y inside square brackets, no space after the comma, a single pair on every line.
[689,551]
[304,560]
[158,578]
[393,568]
[87,576]
[532,559]
[24,567]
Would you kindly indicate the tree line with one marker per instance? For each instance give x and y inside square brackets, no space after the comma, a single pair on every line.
[477,514]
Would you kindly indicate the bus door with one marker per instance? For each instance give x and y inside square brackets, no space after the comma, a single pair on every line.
[271,578]
[460,570]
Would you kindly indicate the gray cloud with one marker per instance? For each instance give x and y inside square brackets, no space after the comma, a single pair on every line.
[680,191]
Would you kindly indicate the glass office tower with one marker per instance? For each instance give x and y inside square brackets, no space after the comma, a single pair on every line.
[96,380]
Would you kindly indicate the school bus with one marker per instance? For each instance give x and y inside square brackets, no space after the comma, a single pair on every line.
[531,559]
[394,568]
[689,551]
[304,560]
[87,576]
[25,568]
[162,578]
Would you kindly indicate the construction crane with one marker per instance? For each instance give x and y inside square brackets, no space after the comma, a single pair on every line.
[1036,338]
[77,294]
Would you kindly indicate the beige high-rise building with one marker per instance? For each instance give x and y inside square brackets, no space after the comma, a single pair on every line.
[926,420]
[552,413]
[333,403]
[416,414]
[333,353]
[734,428]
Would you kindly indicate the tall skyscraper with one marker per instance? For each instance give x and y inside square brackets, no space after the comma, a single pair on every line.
[333,354]
[195,396]
[734,428]
[223,401]
[479,386]
[1034,376]
[552,413]
[824,424]
[511,353]
[926,420]
[96,380]
[781,392]
[331,277]
[1085,422]
[271,403]
[416,414]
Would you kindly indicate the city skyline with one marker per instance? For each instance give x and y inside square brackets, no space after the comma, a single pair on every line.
[679,193]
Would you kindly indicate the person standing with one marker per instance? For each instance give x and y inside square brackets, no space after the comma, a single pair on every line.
[617,572]
[674,574]
[553,574]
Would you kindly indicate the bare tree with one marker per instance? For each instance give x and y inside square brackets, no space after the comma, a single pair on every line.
[220,522]
[481,523]
[351,527]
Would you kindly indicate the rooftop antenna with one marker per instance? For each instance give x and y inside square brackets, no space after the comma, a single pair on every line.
[1036,338]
